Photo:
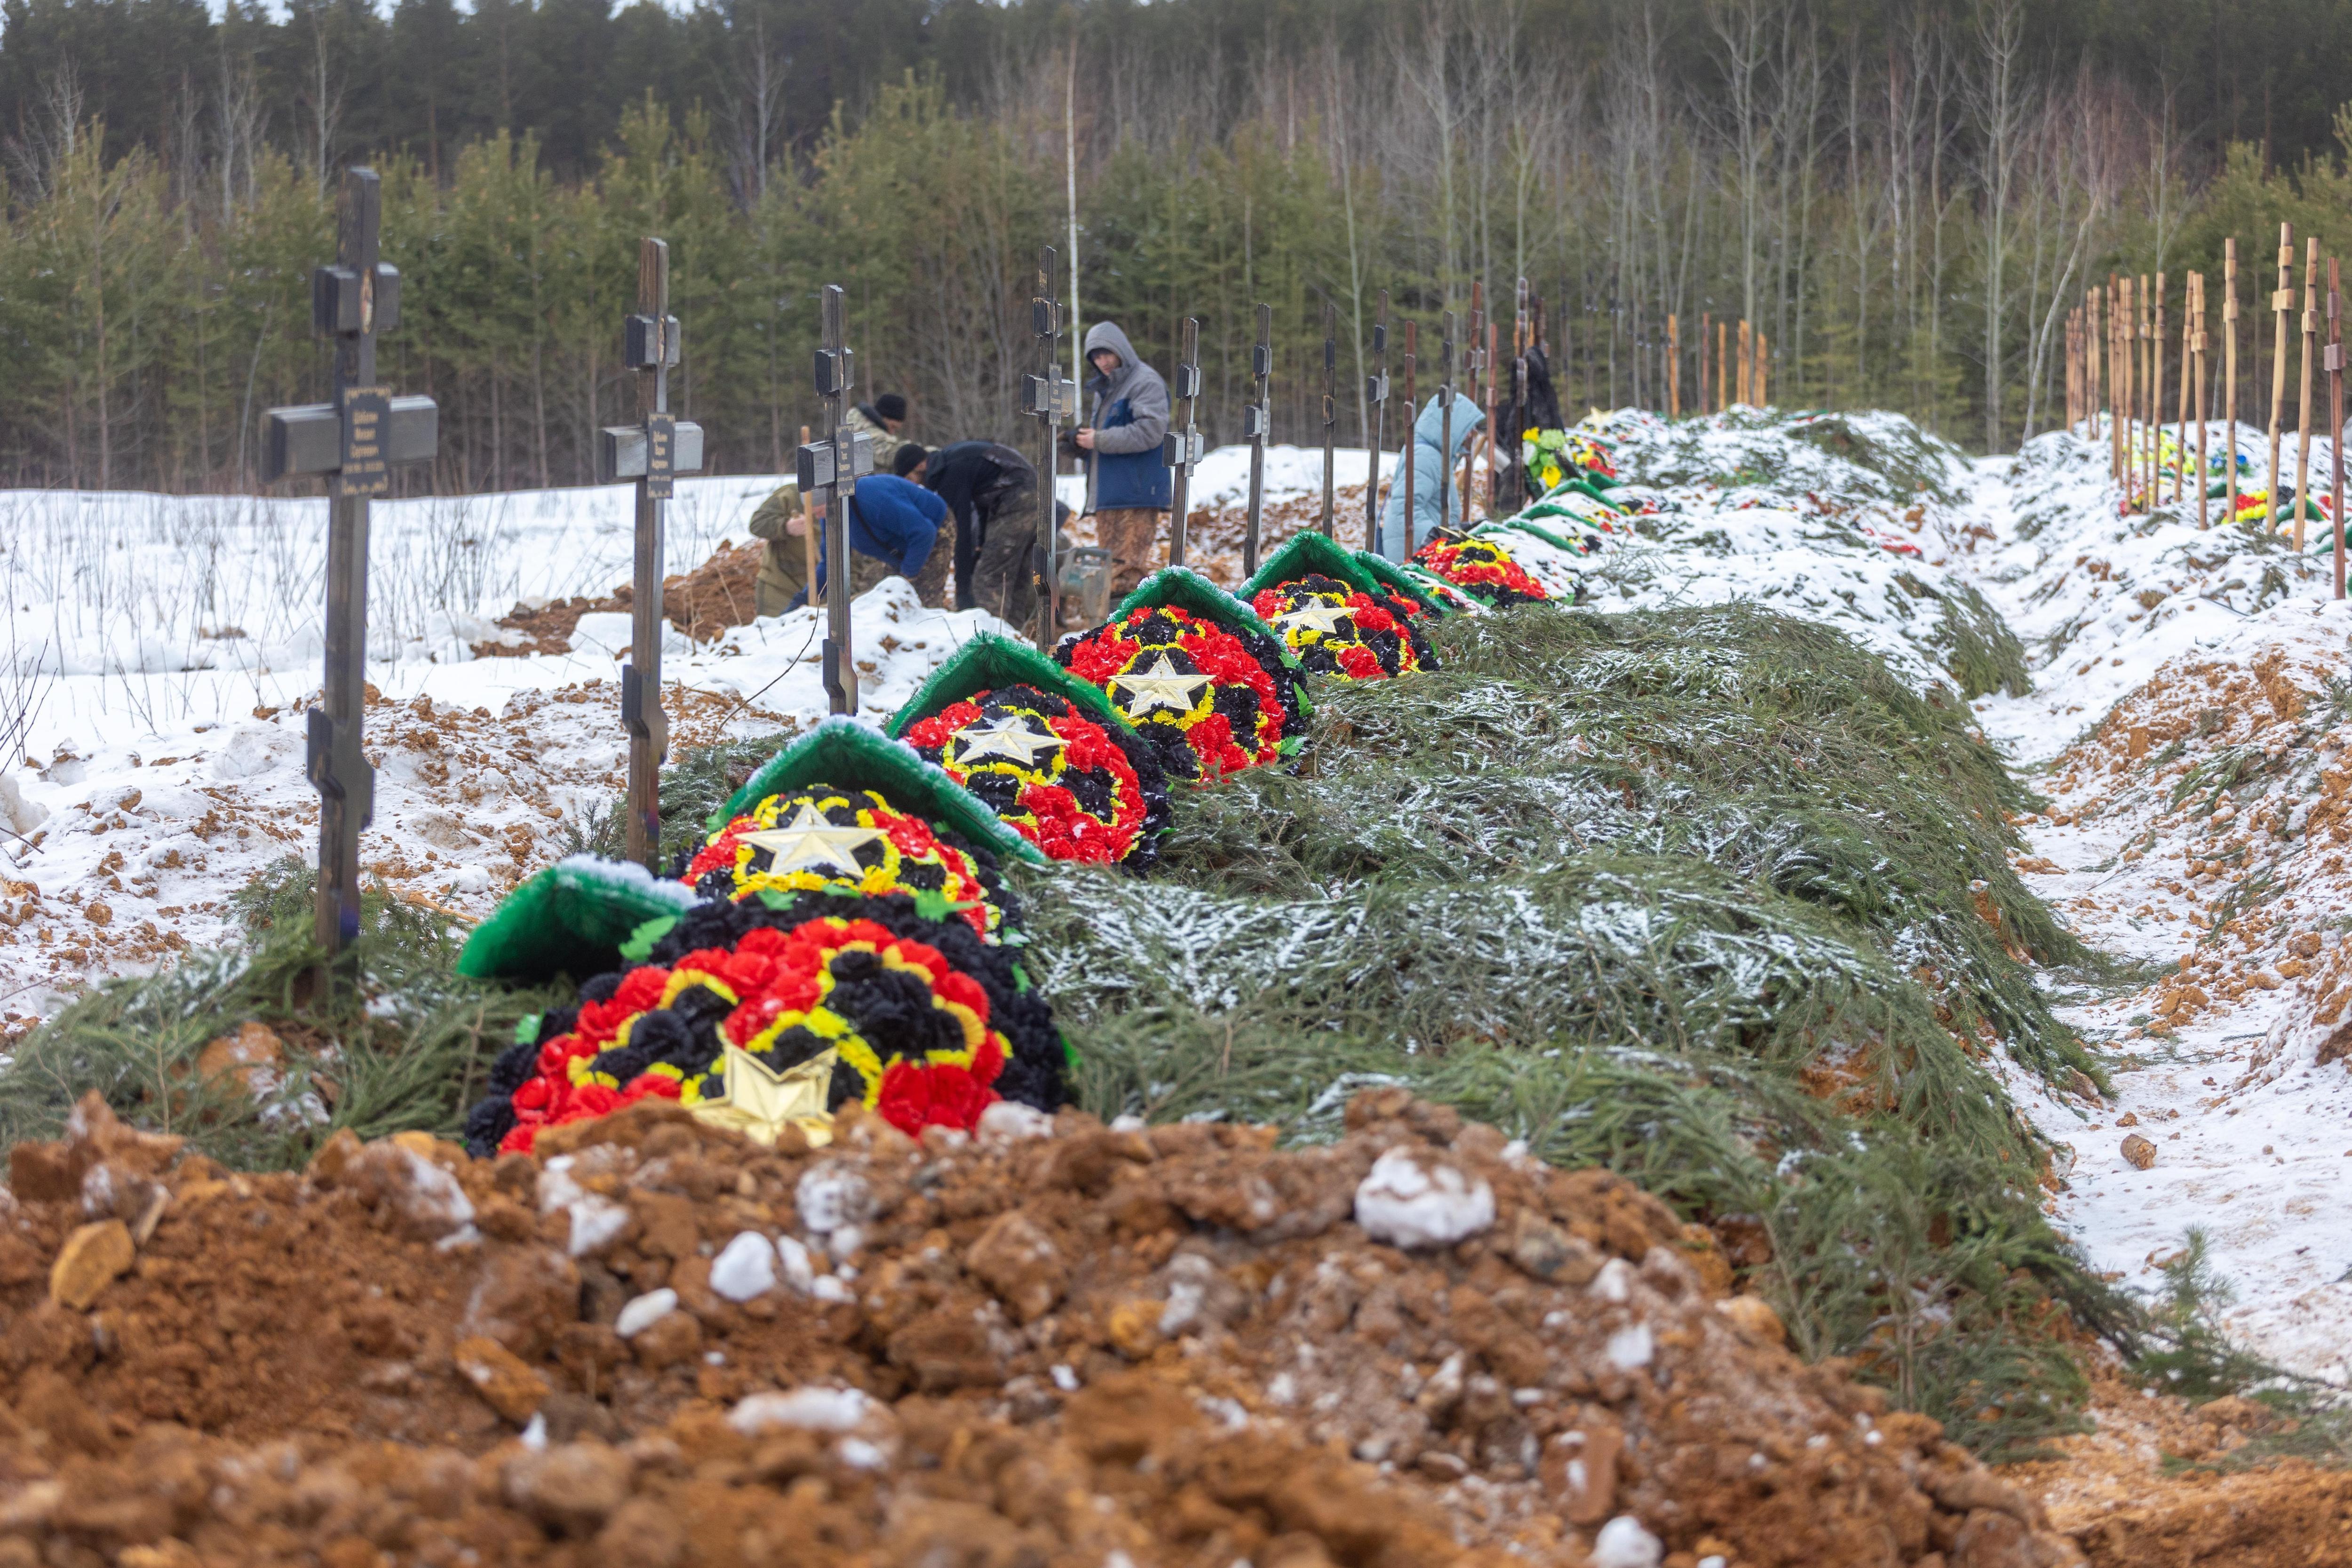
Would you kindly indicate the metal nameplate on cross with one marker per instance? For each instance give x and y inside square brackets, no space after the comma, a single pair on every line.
[653,451]
[353,442]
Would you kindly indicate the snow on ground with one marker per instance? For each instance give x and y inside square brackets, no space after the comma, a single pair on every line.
[2191,739]
[164,649]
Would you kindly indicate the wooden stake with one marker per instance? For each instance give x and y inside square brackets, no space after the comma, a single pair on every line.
[2336,421]
[2303,415]
[2156,402]
[1706,328]
[2143,405]
[1747,359]
[2181,420]
[2230,370]
[1722,367]
[2281,302]
[2203,485]
[1674,369]
[1494,473]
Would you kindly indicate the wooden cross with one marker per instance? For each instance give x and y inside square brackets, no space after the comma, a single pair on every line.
[1330,407]
[1181,448]
[1257,419]
[1474,359]
[1412,414]
[1048,398]
[1376,403]
[2281,302]
[1444,429]
[652,452]
[352,442]
[1487,407]
[2310,352]
[1522,339]
[835,466]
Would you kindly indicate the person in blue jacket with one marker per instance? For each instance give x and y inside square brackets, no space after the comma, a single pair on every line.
[1130,492]
[893,523]
[1431,468]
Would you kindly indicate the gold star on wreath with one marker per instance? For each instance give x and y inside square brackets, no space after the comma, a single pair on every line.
[1003,736]
[1161,686]
[1315,617]
[808,842]
[760,1103]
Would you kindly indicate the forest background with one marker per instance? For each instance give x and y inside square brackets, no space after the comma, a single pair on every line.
[1905,197]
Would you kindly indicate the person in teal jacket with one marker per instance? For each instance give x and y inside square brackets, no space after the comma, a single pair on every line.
[1431,468]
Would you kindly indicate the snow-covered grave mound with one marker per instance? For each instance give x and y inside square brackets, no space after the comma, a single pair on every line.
[1844,518]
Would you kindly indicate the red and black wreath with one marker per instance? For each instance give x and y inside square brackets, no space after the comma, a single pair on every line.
[922,1021]
[1216,701]
[1078,789]
[1336,629]
[854,841]
[1480,568]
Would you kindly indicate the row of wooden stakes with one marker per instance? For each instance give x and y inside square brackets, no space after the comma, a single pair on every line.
[1740,365]
[2116,344]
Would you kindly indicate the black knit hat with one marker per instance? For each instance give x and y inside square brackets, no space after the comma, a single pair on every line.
[904,460]
[890,406]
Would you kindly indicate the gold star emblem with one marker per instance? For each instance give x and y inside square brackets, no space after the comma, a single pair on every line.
[1161,686]
[760,1103]
[1314,616]
[808,842]
[1003,736]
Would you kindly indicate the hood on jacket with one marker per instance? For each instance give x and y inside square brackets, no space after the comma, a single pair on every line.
[1466,419]
[1107,335]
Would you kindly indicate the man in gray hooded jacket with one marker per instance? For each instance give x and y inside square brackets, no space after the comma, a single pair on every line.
[1432,467]
[1130,488]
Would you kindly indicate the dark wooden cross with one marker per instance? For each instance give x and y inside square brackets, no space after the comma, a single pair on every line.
[1049,398]
[834,466]
[1376,399]
[1444,475]
[652,452]
[1181,448]
[1257,419]
[1412,418]
[352,443]
[1330,406]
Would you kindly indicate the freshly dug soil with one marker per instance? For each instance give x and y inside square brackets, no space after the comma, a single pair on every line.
[2120,1492]
[1175,1344]
[712,598]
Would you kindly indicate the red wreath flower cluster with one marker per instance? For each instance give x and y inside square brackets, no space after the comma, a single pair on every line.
[1480,568]
[1335,628]
[907,855]
[1237,713]
[783,996]
[1078,799]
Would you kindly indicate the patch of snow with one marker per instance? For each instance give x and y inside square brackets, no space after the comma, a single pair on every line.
[809,1409]
[745,1267]
[644,1311]
[1624,1543]
[1410,1202]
